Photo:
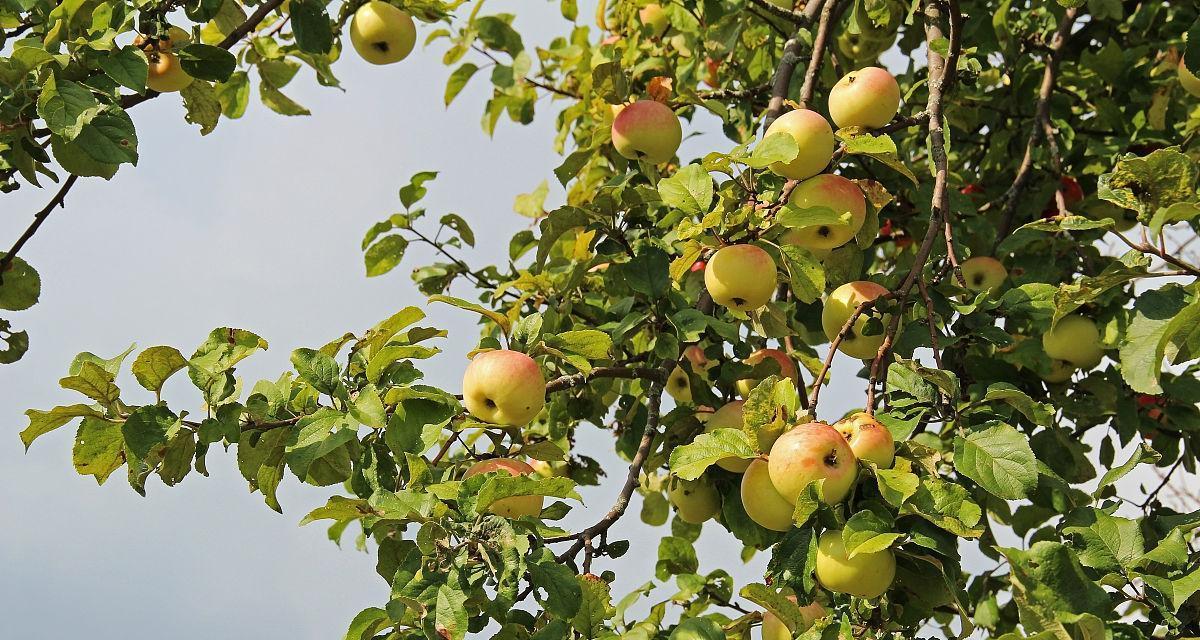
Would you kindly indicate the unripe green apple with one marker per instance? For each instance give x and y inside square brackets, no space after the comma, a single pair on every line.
[695,500]
[678,385]
[787,369]
[647,129]
[813,136]
[516,506]
[833,192]
[165,74]
[868,438]
[504,387]
[866,575]
[868,97]
[1188,80]
[382,33]
[741,277]
[654,18]
[762,501]
[728,417]
[840,306]
[1076,340]
[983,273]
[811,452]
[774,629]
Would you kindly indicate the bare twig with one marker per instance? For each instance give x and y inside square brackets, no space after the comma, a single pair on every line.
[38,218]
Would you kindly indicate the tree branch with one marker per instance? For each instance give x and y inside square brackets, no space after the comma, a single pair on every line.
[580,379]
[782,80]
[38,218]
[818,52]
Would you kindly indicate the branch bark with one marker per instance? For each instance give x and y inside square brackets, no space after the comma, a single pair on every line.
[782,80]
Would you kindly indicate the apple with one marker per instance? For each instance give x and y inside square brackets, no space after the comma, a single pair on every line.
[983,273]
[774,629]
[556,469]
[382,33]
[516,506]
[1076,340]
[695,500]
[728,417]
[741,277]
[1060,372]
[868,439]
[866,575]
[504,387]
[1072,192]
[678,385]
[833,192]
[813,136]
[797,237]
[868,97]
[762,501]
[811,452]
[840,306]
[655,19]
[648,130]
[1188,80]
[787,369]
[165,74]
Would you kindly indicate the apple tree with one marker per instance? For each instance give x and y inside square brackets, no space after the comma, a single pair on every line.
[993,231]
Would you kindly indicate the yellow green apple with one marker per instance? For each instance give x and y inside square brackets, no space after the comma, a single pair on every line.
[813,136]
[504,387]
[1076,340]
[983,273]
[798,238]
[838,194]
[741,277]
[1060,372]
[382,33]
[762,501]
[840,305]
[866,575]
[868,438]
[868,97]
[728,416]
[1188,80]
[695,500]
[774,629]
[647,130]
[786,369]
[678,385]
[811,452]
[165,74]
[654,18]
[516,506]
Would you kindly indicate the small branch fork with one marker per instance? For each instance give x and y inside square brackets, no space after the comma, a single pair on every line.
[1159,252]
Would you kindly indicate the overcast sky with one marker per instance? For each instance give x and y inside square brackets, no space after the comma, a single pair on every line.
[256,226]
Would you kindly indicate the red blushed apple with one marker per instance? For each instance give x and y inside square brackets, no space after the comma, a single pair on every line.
[516,506]
[787,369]
[813,136]
[837,194]
[774,629]
[971,189]
[647,130]
[741,277]
[811,452]
[868,439]
[504,387]
[762,502]
[1072,192]
[869,97]
[728,417]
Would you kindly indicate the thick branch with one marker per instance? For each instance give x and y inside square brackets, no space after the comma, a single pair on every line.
[818,52]
[782,79]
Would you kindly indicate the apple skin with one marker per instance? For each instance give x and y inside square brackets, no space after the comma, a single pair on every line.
[774,629]
[647,129]
[728,417]
[869,439]
[840,306]
[797,238]
[787,368]
[1188,80]
[811,452]
[868,97]
[762,501]
[655,19]
[813,135]
[695,500]
[165,74]
[832,192]
[741,277]
[678,385]
[1076,340]
[866,575]
[504,387]
[516,506]
[382,33]
[983,273]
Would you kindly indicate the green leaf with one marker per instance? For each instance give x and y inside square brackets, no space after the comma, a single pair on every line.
[16,343]
[589,343]
[384,255]
[206,62]
[94,382]
[1108,543]
[806,275]
[697,629]
[1142,455]
[450,613]
[595,609]
[554,225]
[501,485]
[532,204]
[1049,582]
[20,285]
[318,369]
[368,623]
[1040,413]
[881,147]
[775,603]
[1159,180]
[392,353]
[1158,316]
[867,532]
[311,27]
[563,593]
[66,106]
[148,427]
[368,408]
[690,460]
[946,505]
[648,272]
[127,66]
[109,138]
[99,448]
[155,365]
[500,319]
[777,147]
[999,459]
[203,106]
[315,436]
[690,190]
[43,422]
[458,80]
[896,486]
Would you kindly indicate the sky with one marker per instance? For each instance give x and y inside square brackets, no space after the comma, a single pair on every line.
[258,226]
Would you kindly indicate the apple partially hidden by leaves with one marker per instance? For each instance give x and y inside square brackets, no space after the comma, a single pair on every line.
[814,138]
[840,305]
[654,19]
[382,33]
[784,367]
[774,629]
[811,452]
[647,130]
[504,387]
[762,501]
[868,438]
[695,500]
[516,506]
[868,97]
[678,385]
[165,74]
[728,417]
[833,192]
[866,575]
[983,273]
[1076,340]
[741,277]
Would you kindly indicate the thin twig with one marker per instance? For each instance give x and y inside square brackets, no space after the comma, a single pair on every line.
[38,218]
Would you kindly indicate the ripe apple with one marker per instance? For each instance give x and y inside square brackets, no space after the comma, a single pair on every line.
[866,575]
[655,19]
[840,306]
[811,452]
[1188,80]
[504,387]
[516,506]
[868,439]
[1072,192]
[678,385]
[1076,340]
[813,136]
[787,369]
[831,192]
[728,417]
[382,33]
[774,629]
[868,97]
[647,129]
[165,74]
[762,501]
[983,273]
[695,500]
[741,277]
